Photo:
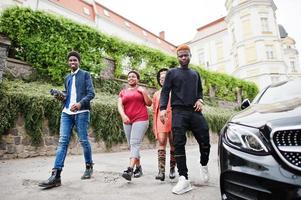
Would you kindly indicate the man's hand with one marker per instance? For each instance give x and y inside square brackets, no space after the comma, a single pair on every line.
[60,97]
[75,107]
[163,115]
[198,106]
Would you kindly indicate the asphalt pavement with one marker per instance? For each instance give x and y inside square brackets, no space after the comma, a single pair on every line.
[20,178]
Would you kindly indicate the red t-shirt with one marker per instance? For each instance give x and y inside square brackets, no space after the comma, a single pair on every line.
[134,105]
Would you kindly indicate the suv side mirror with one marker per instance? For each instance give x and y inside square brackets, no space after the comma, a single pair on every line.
[245,103]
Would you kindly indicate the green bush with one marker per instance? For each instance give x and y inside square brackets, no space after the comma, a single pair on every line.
[43,40]
[33,101]
[110,86]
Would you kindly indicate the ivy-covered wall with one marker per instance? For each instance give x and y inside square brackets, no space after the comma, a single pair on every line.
[35,104]
[43,40]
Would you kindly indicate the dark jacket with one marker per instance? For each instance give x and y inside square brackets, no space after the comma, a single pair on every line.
[84,88]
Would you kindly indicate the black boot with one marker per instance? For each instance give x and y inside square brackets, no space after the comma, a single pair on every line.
[88,172]
[138,172]
[53,181]
[172,173]
[161,164]
[127,174]
[160,176]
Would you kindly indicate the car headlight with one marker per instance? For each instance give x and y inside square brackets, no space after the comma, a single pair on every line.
[245,138]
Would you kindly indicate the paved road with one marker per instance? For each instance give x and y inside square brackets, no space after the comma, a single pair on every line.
[19,179]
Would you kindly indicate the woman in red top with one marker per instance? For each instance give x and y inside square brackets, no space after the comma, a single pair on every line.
[163,132]
[132,104]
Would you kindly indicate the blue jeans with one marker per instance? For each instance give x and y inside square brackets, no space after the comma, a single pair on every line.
[81,122]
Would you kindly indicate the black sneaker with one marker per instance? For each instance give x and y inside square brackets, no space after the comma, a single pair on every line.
[127,174]
[160,176]
[172,173]
[138,172]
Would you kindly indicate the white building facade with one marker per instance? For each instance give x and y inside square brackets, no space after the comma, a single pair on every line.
[247,44]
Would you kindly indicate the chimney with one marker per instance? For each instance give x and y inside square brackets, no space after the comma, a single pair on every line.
[162,35]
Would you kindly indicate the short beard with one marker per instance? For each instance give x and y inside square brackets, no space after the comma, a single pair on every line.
[184,64]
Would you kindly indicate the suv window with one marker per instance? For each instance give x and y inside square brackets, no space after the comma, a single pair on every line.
[283,91]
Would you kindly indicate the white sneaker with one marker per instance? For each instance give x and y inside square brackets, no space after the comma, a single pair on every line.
[182,186]
[204,174]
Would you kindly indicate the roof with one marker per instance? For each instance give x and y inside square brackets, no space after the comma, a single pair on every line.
[211,23]
[91,9]
[282,31]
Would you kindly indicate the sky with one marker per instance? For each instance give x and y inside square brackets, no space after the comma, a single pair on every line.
[181,18]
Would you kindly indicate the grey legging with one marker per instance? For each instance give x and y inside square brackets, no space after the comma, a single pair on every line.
[134,134]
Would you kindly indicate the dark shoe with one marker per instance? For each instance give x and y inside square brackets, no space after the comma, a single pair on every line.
[88,172]
[138,172]
[172,173]
[127,174]
[53,181]
[160,176]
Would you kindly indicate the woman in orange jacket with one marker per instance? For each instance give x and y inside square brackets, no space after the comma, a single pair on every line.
[163,132]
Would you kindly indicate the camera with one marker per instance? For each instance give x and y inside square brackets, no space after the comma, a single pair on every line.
[57,93]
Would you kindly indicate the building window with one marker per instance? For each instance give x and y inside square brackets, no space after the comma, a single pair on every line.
[106,13]
[264,24]
[269,51]
[86,11]
[293,66]
[201,56]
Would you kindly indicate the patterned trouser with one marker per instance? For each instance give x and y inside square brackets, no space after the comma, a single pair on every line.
[162,159]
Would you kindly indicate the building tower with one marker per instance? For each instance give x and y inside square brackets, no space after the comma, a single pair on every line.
[256,52]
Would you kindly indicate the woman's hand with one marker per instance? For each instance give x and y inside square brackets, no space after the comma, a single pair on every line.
[144,92]
[125,119]
[141,89]
[163,116]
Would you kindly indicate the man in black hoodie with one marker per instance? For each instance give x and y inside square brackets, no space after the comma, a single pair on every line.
[187,103]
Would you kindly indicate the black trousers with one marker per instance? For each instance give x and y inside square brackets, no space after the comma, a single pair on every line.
[186,119]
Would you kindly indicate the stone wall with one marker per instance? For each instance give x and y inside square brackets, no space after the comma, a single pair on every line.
[4,46]
[15,143]
[17,69]
[108,71]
